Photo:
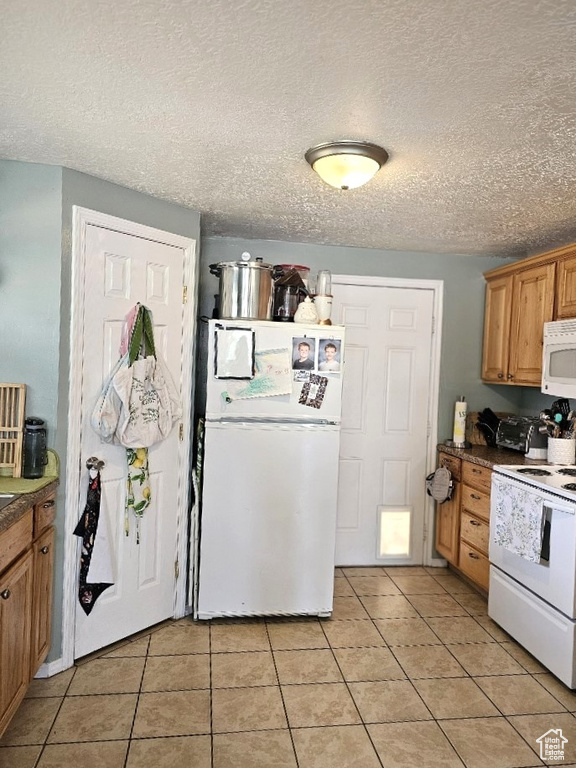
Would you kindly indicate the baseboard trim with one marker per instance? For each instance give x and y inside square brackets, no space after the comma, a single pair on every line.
[51,668]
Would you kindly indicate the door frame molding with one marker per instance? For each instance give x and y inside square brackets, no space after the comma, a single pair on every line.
[437,288]
[81,219]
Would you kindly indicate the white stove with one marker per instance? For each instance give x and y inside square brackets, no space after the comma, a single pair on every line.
[554,478]
[533,561]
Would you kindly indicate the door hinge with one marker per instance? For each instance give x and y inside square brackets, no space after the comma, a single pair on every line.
[425,537]
[176,569]
[184,294]
[181,431]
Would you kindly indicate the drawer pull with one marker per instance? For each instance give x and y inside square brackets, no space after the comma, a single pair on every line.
[48,504]
[45,550]
[473,556]
[475,496]
[476,471]
[474,522]
[5,595]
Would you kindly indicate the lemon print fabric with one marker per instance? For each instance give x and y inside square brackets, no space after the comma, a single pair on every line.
[138,496]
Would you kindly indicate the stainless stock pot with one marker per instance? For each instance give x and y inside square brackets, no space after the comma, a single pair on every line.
[246,288]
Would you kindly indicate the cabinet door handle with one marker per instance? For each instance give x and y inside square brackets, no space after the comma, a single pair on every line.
[509,376]
[500,375]
[475,497]
[48,504]
[474,522]
[473,556]
[45,550]
[5,595]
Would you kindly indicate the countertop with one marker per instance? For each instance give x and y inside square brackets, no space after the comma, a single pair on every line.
[14,511]
[487,456]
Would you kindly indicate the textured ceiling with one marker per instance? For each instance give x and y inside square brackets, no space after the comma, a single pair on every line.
[212,104]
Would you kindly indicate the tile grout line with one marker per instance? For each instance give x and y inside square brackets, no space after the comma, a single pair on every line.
[436,720]
[408,679]
[366,731]
[210,681]
[45,742]
[471,677]
[468,612]
[136,708]
[282,696]
[438,723]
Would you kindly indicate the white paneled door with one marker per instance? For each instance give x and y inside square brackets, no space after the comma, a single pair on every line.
[385,415]
[121,269]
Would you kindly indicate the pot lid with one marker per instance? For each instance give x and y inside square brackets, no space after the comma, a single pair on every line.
[258,264]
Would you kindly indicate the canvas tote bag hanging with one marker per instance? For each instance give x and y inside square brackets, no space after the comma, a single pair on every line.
[139,402]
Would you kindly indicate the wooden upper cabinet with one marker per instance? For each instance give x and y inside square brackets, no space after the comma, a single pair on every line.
[497,318]
[519,300]
[532,306]
[566,288]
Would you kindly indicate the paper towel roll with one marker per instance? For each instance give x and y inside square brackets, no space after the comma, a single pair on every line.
[459,437]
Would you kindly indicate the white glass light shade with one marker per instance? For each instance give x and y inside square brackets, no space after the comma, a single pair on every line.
[346,164]
[345,171]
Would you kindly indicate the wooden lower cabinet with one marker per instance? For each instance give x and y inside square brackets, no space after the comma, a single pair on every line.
[448,527]
[15,635]
[463,523]
[474,564]
[42,599]
[26,576]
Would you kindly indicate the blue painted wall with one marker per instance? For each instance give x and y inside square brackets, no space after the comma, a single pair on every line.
[30,256]
[35,269]
[463,316]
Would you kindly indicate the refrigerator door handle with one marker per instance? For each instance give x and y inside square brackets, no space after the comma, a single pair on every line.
[281,422]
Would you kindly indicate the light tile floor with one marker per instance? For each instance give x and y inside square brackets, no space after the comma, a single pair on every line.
[408,673]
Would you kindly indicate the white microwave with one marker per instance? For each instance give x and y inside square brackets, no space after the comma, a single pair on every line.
[559,359]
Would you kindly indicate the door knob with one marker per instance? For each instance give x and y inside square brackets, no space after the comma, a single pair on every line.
[5,595]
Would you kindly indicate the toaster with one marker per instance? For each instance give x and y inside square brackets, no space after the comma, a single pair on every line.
[521,433]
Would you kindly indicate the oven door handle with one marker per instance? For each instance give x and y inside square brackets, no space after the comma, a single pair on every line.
[553,506]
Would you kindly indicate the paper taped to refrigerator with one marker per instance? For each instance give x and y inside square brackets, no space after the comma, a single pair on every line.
[273,376]
[234,353]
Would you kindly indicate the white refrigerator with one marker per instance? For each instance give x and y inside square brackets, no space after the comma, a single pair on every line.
[270,475]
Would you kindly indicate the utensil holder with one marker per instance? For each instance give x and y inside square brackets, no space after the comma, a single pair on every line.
[561,450]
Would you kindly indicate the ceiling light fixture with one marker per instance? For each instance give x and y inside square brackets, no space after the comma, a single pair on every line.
[346,164]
